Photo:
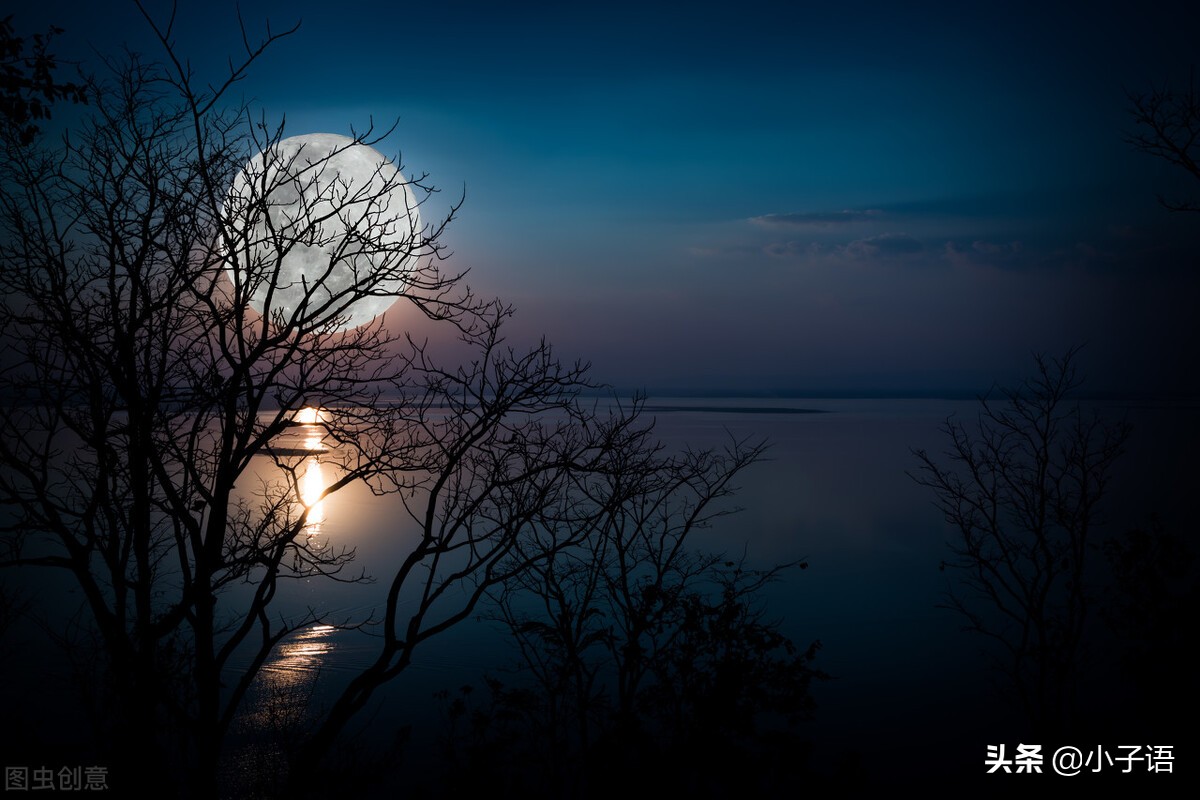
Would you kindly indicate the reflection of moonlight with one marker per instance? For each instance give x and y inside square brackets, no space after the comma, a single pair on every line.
[312,486]
[299,658]
[336,215]
[308,416]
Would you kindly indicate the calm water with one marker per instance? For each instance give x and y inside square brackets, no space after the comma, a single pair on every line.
[833,490]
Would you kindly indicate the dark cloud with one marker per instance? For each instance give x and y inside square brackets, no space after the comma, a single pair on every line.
[1120,247]
[887,244]
[815,219]
[981,253]
[792,249]
[974,206]
[722,251]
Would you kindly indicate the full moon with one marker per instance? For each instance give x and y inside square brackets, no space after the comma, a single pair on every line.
[324,231]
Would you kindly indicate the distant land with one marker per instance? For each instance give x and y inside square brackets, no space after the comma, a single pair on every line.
[745,393]
[737,409]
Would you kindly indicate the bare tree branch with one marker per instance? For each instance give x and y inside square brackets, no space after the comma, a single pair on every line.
[158,351]
[1168,127]
[1021,487]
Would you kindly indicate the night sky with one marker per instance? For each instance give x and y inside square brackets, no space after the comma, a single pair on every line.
[759,197]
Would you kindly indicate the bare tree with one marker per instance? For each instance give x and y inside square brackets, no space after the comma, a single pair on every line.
[1022,487]
[642,649]
[140,385]
[1168,127]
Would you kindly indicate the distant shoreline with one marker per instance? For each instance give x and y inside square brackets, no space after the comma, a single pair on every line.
[738,409]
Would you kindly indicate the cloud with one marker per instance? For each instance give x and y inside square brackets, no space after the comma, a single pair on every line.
[815,219]
[792,249]
[720,251]
[884,245]
[982,253]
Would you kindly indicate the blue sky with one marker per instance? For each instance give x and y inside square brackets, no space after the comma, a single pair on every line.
[763,197]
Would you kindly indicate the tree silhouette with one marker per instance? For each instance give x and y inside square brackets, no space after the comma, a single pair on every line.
[141,385]
[1148,604]
[28,86]
[141,389]
[1022,488]
[641,650]
[1168,127]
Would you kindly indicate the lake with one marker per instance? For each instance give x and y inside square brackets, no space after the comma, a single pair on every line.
[910,698]
[832,490]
